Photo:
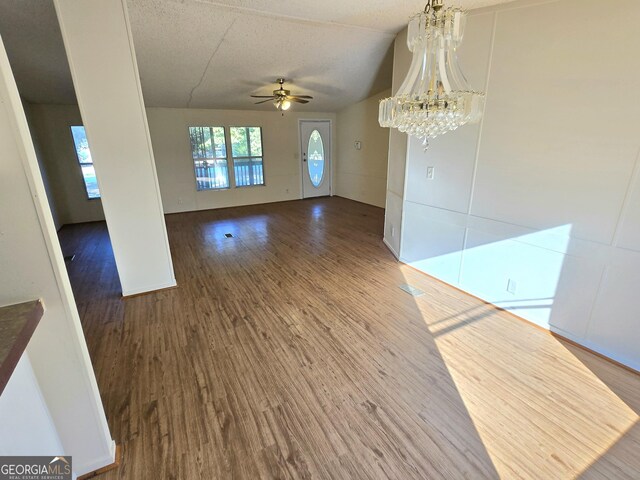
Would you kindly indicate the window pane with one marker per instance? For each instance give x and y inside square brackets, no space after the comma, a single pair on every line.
[86,163]
[90,182]
[248,171]
[220,143]
[246,141]
[315,161]
[211,174]
[239,142]
[255,137]
[209,153]
[81,144]
[207,142]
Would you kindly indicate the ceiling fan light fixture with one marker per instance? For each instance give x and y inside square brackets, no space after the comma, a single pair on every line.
[282,98]
[435,97]
[282,104]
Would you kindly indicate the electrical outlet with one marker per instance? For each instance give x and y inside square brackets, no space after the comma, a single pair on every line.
[393,231]
[358,145]
[512,286]
[431,173]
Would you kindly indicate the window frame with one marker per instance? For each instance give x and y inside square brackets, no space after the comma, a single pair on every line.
[226,158]
[250,157]
[81,163]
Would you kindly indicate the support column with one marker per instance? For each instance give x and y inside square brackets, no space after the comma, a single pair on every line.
[32,267]
[99,47]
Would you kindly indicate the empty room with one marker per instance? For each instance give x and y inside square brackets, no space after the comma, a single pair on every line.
[373,239]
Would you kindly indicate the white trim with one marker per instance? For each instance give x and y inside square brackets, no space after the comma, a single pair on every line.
[633,180]
[300,169]
[476,158]
[395,254]
[494,27]
[92,466]
[403,197]
[148,289]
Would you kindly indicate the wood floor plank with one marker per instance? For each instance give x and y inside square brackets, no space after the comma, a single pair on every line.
[288,351]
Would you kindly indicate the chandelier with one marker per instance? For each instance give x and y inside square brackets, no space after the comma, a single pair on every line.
[435,97]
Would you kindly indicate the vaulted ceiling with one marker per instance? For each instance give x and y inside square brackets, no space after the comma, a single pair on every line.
[214,54]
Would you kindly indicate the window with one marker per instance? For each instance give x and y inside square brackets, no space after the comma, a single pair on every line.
[209,152]
[316,158]
[86,163]
[246,150]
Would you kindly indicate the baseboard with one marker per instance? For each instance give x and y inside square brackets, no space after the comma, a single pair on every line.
[594,350]
[231,207]
[391,249]
[358,201]
[112,466]
[152,289]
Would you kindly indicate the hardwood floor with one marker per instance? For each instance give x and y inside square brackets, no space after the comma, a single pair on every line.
[288,351]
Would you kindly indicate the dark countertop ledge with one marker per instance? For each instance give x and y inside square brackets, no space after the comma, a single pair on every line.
[17,324]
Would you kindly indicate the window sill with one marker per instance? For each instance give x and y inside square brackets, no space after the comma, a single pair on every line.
[251,186]
[198,190]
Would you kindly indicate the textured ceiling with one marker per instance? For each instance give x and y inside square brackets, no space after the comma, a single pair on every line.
[214,54]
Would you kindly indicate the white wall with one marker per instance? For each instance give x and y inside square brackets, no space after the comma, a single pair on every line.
[170,140]
[48,184]
[99,46]
[50,127]
[396,165]
[281,148]
[31,266]
[24,411]
[545,191]
[362,174]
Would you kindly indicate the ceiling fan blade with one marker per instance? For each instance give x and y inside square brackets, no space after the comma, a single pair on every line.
[263,101]
[262,96]
[297,100]
[302,96]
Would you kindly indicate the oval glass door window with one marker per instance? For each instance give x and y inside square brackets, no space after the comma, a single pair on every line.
[315,154]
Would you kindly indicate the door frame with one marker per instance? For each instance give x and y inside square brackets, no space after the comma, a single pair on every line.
[300,148]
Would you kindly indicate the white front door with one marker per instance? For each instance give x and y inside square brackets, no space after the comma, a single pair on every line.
[315,137]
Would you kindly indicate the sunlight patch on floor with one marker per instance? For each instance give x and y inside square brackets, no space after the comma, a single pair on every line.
[528,396]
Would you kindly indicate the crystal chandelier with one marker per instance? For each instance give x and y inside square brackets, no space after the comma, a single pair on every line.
[435,97]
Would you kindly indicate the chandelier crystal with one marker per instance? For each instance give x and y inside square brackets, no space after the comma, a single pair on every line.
[435,97]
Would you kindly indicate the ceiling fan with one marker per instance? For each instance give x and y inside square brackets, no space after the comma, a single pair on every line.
[282,98]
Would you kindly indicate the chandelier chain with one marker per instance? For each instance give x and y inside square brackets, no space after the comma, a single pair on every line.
[433,5]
